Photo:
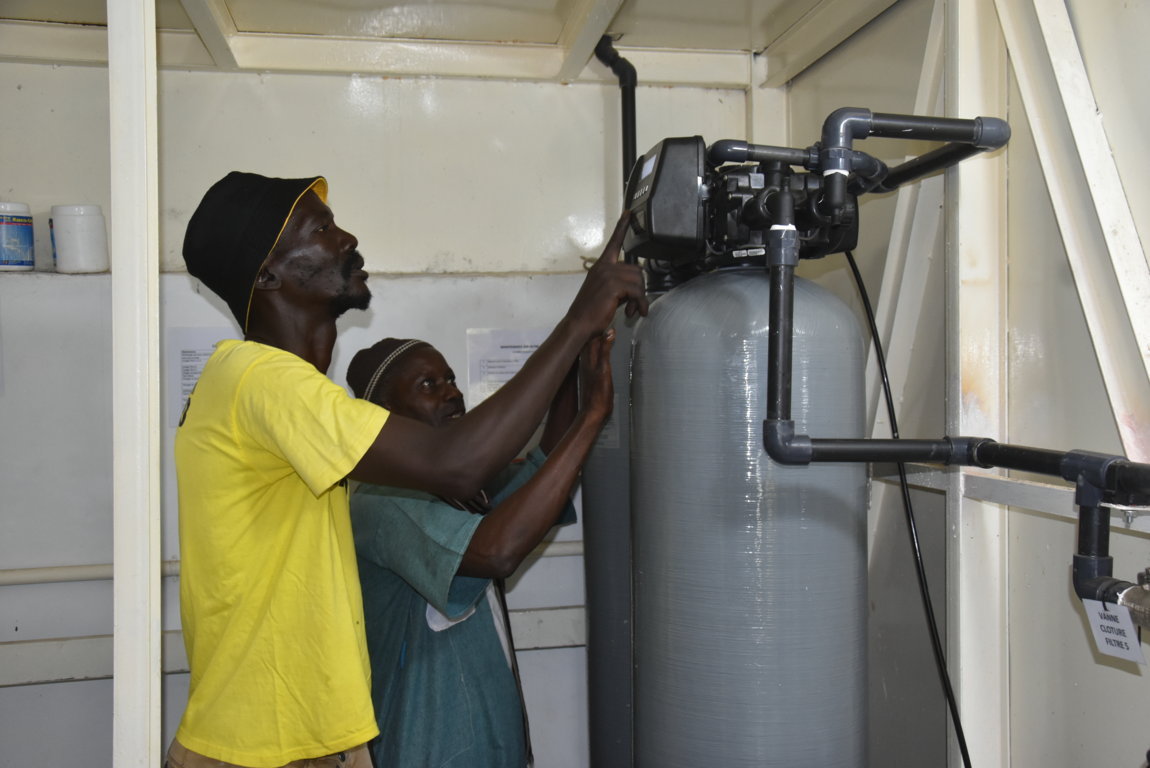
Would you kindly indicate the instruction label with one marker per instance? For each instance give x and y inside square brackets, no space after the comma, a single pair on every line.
[494,355]
[1114,631]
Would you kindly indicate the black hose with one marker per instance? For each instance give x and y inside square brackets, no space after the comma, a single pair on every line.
[932,625]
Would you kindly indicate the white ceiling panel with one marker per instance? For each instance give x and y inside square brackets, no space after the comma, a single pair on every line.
[691,42]
[510,21]
[729,25]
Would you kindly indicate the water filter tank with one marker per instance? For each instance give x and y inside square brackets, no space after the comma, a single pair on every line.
[749,576]
[607,569]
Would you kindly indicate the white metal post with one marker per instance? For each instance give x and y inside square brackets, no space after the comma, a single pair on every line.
[978,636]
[135,383]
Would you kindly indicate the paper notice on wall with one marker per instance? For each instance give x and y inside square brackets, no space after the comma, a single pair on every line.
[494,355]
[188,349]
[1114,631]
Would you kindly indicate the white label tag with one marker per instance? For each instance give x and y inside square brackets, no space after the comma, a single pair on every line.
[1114,631]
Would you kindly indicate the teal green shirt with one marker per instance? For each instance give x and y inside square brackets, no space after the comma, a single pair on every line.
[447,698]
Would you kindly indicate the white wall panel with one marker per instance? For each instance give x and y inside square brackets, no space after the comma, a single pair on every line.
[1057,397]
[432,175]
[55,438]
[68,724]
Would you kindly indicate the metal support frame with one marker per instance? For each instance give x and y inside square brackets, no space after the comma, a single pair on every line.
[819,31]
[132,112]
[977,630]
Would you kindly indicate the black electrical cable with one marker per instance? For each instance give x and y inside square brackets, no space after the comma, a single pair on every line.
[932,625]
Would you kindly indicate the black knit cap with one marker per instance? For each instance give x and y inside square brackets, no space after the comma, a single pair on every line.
[369,365]
[236,226]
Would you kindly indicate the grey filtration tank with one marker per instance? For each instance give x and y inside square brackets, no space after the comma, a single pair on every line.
[607,569]
[749,576]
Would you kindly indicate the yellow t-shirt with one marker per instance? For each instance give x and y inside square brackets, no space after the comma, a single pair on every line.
[269,591]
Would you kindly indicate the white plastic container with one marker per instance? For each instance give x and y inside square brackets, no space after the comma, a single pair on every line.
[16,242]
[79,238]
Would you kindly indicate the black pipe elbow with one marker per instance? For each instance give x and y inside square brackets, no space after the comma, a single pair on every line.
[783,445]
[845,124]
[728,151]
[623,69]
[1092,580]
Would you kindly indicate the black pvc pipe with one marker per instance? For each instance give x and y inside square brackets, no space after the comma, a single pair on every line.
[848,123]
[923,165]
[779,343]
[628,79]
[1037,460]
[895,451]
[735,151]
[981,132]
[1129,477]
[1094,531]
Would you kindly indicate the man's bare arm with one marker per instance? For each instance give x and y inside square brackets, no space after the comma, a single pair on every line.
[457,458]
[509,532]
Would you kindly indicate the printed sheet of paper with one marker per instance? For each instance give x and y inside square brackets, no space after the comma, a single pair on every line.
[494,355]
[188,349]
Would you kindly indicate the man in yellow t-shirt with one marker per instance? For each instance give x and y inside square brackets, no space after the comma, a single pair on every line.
[270,600]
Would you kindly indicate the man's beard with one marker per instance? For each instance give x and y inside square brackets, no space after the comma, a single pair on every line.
[347,300]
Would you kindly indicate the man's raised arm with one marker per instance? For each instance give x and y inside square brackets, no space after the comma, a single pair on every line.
[457,458]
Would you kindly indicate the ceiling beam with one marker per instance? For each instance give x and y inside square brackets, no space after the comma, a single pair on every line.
[585,27]
[214,25]
[72,44]
[41,42]
[83,45]
[818,32]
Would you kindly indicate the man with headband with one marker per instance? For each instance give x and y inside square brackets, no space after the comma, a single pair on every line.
[444,678]
[269,593]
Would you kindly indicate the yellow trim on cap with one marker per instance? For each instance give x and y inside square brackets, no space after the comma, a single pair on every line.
[320,187]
